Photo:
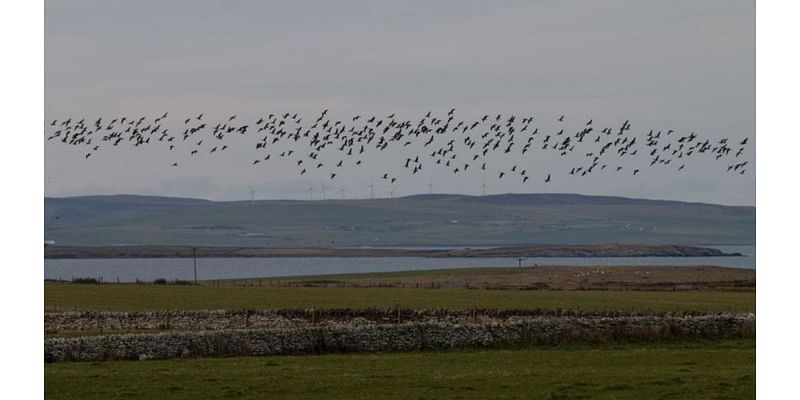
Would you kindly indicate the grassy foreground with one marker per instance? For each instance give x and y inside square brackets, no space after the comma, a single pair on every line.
[694,370]
[132,297]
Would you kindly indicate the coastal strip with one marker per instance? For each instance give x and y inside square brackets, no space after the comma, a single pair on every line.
[603,250]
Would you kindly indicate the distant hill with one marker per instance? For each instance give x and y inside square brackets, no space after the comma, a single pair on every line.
[420,220]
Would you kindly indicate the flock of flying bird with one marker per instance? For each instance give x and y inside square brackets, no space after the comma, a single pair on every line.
[459,145]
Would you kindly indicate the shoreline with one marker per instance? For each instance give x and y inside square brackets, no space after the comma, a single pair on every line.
[547,251]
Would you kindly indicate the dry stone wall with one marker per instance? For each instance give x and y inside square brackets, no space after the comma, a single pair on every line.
[408,336]
[101,321]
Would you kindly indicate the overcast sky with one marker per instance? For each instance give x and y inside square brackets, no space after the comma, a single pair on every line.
[681,65]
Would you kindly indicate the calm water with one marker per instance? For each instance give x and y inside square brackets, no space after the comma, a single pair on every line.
[147,269]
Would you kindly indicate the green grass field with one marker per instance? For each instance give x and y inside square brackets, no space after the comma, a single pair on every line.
[132,297]
[687,370]
[693,370]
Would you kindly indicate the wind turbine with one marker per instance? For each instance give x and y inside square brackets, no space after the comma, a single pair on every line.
[430,187]
[322,185]
[252,195]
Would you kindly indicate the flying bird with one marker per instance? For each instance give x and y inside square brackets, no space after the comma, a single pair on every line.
[449,141]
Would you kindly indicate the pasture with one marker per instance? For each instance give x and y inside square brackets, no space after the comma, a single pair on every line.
[137,297]
[688,370]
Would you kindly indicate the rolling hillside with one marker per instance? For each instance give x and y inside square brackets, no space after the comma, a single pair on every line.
[422,220]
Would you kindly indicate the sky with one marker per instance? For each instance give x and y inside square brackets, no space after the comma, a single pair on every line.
[688,66]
